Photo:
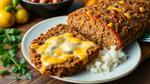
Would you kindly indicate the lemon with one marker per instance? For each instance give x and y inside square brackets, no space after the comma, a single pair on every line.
[21,15]
[4,3]
[6,19]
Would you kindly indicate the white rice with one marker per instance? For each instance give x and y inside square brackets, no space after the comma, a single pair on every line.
[107,61]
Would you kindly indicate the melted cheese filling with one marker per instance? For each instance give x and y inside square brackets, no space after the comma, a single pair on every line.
[58,49]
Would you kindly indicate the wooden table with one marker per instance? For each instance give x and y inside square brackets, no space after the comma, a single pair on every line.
[140,76]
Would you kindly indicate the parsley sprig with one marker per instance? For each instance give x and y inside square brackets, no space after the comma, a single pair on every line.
[9,47]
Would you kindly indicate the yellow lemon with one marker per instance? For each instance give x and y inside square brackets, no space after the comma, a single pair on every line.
[4,3]
[6,19]
[21,15]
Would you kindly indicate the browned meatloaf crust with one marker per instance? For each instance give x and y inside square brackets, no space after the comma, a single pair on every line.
[72,65]
[142,3]
[107,26]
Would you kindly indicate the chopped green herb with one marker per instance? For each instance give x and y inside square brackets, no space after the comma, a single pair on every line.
[4,72]
[15,2]
[8,55]
[27,76]
[17,77]
[15,69]
[147,35]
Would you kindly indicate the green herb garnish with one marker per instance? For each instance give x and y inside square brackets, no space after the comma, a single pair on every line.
[12,7]
[9,47]
[4,72]
[28,76]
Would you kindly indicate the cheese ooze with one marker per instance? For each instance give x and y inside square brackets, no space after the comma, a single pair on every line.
[58,49]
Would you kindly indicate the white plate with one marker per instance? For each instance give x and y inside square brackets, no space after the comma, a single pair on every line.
[145,39]
[133,51]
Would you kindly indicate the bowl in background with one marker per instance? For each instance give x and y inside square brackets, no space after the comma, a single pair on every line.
[46,9]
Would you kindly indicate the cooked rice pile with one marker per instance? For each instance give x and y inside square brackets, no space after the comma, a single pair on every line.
[107,61]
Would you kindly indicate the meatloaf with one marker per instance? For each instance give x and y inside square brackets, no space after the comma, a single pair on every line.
[111,23]
[142,3]
[73,64]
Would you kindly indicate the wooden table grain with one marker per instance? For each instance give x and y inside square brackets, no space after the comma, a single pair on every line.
[140,76]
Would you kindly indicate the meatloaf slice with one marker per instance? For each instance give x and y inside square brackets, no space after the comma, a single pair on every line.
[73,65]
[111,23]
